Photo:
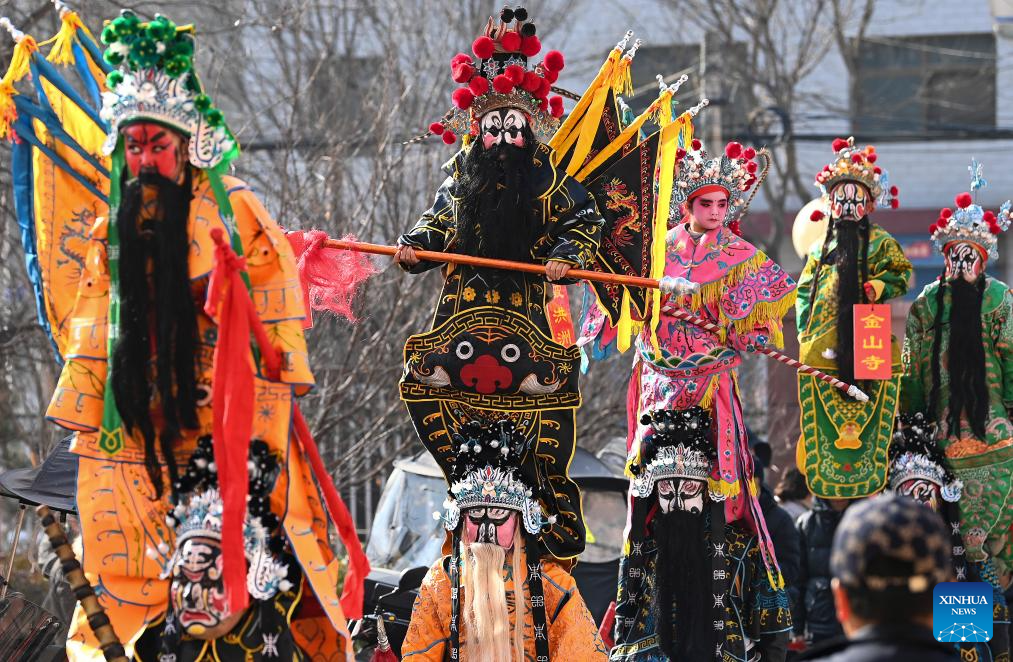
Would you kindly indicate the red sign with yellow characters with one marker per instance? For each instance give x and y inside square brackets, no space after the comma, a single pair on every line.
[872,341]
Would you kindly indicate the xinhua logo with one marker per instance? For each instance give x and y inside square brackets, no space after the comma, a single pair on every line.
[962,611]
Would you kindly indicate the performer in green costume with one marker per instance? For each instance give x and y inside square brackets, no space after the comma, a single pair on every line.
[961,375]
[843,447]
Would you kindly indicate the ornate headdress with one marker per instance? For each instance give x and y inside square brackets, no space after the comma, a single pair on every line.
[487,472]
[155,81]
[914,454]
[735,172]
[678,447]
[498,77]
[969,222]
[854,164]
[198,514]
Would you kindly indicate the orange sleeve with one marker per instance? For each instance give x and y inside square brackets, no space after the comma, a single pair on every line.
[572,631]
[429,630]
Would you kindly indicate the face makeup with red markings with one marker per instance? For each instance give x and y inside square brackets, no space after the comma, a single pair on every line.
[708,211]
[850,201]
[681,494]
[923,491]
[964,260]
[503,126]
[154,149]
[197,592]
[490,525]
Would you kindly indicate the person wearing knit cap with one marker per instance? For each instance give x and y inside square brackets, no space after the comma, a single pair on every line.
[889,553]
[958,369]
[842,449]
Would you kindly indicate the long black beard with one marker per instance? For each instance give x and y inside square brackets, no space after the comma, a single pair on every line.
[966,355]
[496,201]
[682,578]
[155,295]
[852,257]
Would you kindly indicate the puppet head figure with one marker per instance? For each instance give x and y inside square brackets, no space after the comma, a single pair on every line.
[152,148]
[503,126]
[850,201]
[490,525]
[708,210]
[964,260]
[685,494]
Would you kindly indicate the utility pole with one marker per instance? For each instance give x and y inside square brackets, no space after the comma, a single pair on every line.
[713,85]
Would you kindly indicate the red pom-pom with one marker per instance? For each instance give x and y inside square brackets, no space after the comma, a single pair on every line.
[749,153]
[551,76]
[502,84]
[696,145]
[543,105]
[751,167]
[557,111]
[894,190]
[750,182]
[817,215]
[989,217]
[871,157]
[479,85]
[994,228]
[436,128]
[462,72]
[935,226]
[531,46]
[839,144]
[483,47]
[856,158]
[532,82]
[878,170]
[735,228]
[679,153]
[459,58]
[894,203]
[733,150]
[463,98]
[963,200]
[554,61]
[515,73]
[449,137]
[543,91]
[555,102]
[511,42]
[945,212]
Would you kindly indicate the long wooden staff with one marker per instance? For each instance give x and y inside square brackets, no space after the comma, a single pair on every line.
[85,594]
[597,276]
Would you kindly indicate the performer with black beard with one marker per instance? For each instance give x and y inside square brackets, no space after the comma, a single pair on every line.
[958,371]
[490,354]
[200,514]
[843,447]
[691,586]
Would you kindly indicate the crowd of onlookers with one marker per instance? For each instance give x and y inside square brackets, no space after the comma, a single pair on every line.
[827,554]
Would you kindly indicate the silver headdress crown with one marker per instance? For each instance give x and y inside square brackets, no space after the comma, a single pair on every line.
[915,455]
[155,82]
[735,171]
[487,473]
[678,447]
[969,222]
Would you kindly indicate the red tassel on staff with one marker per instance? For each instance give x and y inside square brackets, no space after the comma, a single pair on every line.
[608,621]
[382,652]
[232,403]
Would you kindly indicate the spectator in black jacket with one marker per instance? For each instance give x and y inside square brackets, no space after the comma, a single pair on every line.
[888,554]
[814,618]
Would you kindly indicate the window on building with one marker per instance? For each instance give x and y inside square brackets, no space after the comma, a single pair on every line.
[917,85]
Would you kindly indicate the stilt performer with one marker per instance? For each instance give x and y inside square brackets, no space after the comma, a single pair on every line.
[842,450]
[958,369]
[204,506]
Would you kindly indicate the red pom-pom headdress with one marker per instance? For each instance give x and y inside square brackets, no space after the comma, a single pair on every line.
[734,172]
[854,164]
[497,76]
[969,222]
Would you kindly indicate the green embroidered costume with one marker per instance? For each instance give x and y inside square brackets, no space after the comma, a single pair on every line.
[843,447]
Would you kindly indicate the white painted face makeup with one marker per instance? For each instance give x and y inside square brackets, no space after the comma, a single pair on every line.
[964,260]
[503,126]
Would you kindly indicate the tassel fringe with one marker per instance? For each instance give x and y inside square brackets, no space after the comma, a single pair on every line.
[19,67]
[62,52]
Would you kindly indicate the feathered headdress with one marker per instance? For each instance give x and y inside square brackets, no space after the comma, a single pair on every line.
[914,454]
[679,446]
[969,222]
[498,76]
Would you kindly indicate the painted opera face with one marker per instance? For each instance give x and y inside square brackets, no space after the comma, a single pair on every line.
[503,126]
[964,260]
[850,201]
[490,525]
[684,494]
[923,491]
[154,149]
[197,592]
[709,210]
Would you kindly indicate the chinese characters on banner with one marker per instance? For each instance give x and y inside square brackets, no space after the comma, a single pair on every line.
[872,341]
[559,316]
